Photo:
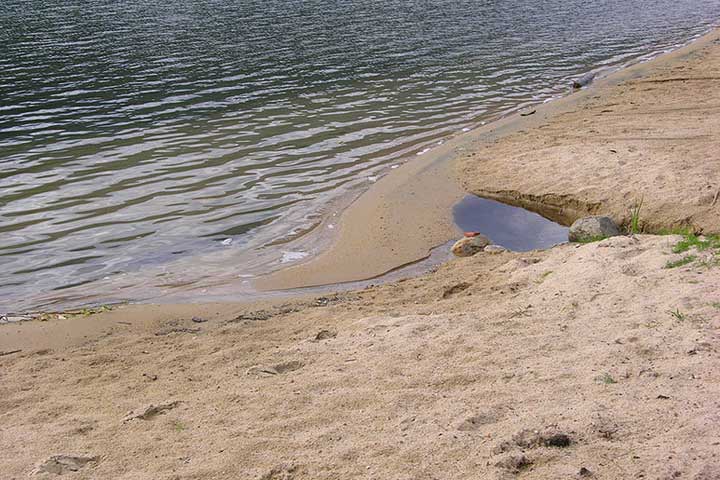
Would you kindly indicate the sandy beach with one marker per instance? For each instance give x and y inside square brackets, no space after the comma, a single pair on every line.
[596,360]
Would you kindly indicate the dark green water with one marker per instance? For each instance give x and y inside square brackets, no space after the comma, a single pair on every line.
[138,136]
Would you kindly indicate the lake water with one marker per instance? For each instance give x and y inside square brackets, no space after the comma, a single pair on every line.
[514,228]
[154,145]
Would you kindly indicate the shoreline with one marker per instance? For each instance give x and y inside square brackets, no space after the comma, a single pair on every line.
[597,360]
[327,272]
[400,231]
[388,214]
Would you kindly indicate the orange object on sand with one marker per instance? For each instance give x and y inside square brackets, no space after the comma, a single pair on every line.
[472,234]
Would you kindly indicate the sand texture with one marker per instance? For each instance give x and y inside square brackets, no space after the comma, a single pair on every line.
[463,373]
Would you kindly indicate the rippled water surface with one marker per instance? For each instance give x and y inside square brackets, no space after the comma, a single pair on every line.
[179,136]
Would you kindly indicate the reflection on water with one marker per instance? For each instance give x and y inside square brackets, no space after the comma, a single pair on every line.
[177,137]
[514,228]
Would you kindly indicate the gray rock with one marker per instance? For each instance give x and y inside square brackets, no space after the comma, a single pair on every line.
[325,335]
[62,464]
[495,249]
[9,318]
[469,246]
[584,81]
[590,229]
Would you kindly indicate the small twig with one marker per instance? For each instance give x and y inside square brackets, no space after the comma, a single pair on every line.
[715,198]
[2,354]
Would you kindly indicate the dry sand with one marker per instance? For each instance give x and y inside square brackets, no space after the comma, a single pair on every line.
[433,377]
[583,361]
[649,134]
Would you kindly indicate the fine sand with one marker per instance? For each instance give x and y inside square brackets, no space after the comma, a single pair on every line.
[582,361]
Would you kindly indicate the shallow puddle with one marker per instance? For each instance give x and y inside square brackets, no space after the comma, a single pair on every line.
[512,227]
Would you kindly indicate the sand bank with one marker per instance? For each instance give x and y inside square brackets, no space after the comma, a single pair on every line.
[580,361]
[650,134]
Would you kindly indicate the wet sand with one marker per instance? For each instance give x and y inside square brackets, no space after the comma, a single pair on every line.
[396,222]
[600,150]
[580,361]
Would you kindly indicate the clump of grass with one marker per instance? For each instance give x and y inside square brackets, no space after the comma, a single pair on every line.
[677,314]
[597,238]
[607,379]
[716,305]
[635,217]
[693,241]
[679,263]
[684,231]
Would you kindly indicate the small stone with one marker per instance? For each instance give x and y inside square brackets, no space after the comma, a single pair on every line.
[469,246]
[584,81]
[514,463]
[584,472]
[591,229]
[324,335]
[559,440]
[495,249]
[15,318]
[453,289]
[199,320]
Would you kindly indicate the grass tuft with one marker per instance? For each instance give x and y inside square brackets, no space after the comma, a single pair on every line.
[677,314]
[679,263]
[597,238]
[607,379]
[684,231]
[635,218]
[693,241]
